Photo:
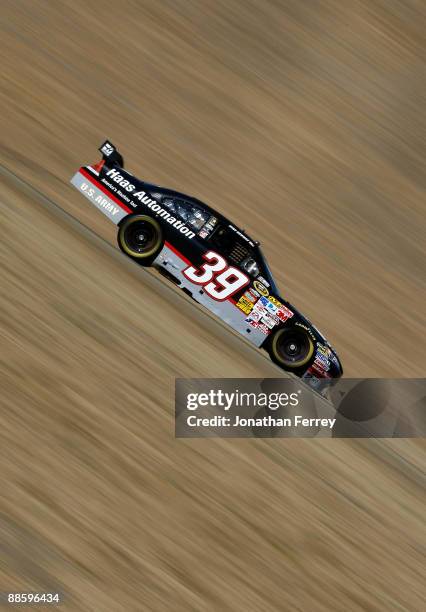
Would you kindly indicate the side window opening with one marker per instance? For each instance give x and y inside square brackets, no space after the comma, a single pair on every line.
[236,250]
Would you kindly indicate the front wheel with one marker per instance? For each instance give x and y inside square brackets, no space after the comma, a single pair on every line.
[140,237]
[291,347]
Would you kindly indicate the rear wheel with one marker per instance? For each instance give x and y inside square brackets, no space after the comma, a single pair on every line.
[140,237]
[291,347]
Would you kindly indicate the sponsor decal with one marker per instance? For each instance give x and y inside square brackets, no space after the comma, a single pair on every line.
[269,320]
[322,359]
[322,362]
[284,313]
[256,314]
[257,317]
[261,327]
[324,350]
[274,300]
[268,304]
[120,180]
[259,307]
[107,149]
[100,200]
[251,295]
[281,312]
[264,281]
[306,328]
[260,288]
[153,205]
[316,370]
[254,317]
[244,304]
[242,235]
[107,205]
[208,227]
[267,314]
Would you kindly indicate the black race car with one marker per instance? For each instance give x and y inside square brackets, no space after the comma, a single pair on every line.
[209,258]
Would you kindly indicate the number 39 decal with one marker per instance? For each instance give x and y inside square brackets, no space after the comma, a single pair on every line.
[220,280]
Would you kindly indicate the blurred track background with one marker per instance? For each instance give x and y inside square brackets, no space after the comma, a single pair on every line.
[304,122]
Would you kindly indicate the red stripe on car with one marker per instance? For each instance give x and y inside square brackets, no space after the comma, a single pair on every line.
[99,185]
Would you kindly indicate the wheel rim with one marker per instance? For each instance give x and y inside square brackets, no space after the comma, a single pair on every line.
[293,348]
[140,238]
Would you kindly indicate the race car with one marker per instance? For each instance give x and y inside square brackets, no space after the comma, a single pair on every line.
[210,259]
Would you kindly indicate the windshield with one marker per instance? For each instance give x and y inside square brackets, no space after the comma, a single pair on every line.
[192,215]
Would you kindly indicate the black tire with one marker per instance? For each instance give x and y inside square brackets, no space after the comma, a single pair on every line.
[291,348]
[140,237]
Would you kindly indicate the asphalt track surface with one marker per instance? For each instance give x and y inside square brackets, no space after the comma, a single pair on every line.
[97,498]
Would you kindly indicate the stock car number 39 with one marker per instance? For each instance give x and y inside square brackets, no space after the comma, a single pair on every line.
[210,259]
[220,281]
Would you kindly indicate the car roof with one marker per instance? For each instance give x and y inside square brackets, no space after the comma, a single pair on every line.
[164,191]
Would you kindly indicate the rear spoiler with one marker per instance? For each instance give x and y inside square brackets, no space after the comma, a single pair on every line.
[110,155]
